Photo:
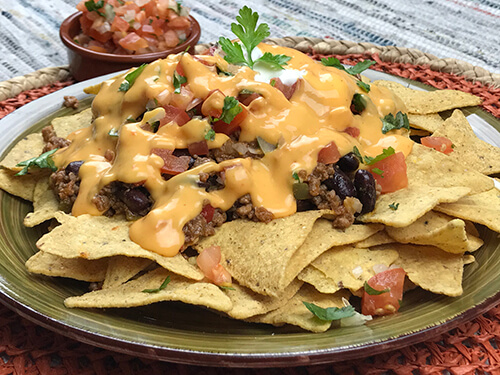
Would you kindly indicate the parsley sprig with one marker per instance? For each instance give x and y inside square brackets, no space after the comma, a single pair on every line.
[368,160]
[391,122]
[330,313]
[178,82]
[355,70]
[250,36]
[42,161]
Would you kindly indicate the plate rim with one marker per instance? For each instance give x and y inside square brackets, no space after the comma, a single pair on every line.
[50,104]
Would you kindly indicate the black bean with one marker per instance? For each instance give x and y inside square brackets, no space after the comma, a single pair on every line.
[136,200]
[341,183]
[348,163]
[73,167]
[367,192]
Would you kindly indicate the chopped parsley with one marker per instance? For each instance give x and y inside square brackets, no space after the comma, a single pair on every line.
[250,35]
[42,161]
[226,287]
[273,82]
[131,77]
[94,7]
[374,292]
[391,122]
[295,176]
[210,135]
[178,82]
[385,153]
[363,86]
[221,72]
[358,103]
[378,171]
[355,70]
[162,286]
[394,206]
[330,313]
[356,153]
[230,109]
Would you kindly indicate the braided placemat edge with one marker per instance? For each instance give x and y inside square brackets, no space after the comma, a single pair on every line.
[46,76]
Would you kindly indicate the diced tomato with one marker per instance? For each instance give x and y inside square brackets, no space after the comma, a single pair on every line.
[212,106]
[388,302]
[96,46]
[81,6]
[86,23]
[133,42]
[352,131]
[179,23]
[174,114]
[119,24]
[287,90]
[228,129]
[208,212]
[329,154]
[441,144]
[198,148]
[171,38]
[393,169]
[209,263]
[129,6]
[173,165]
[140,17]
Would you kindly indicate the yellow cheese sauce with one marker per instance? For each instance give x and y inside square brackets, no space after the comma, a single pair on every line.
[316,114]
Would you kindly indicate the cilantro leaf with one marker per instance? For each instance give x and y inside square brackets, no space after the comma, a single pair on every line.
[360,67]
[94,7]
[250,36]
[390,122]
[210,135]
[385,153]
[295,176]
[356,153]
[230,109]
[162,286]
[394,206]
[374,292]
[178,82]
[274,61]
[42,161]
[330,313]
[226,287]
[363,86]
[358,103]
[333,61]
[131,77]
[380,172]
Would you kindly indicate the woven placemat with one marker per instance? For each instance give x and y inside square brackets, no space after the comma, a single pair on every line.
[472,348]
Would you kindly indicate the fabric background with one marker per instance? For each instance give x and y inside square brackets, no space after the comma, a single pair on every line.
[460,29]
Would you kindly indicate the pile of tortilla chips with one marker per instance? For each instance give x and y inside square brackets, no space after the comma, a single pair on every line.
[427,229]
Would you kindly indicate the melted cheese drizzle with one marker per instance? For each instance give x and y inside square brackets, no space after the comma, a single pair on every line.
[317,114]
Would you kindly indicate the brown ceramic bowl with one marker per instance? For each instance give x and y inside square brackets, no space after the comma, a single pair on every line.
[85,63]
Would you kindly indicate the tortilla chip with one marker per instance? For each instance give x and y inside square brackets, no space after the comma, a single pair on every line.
[20,186]
[268,265]
[378,238]
[483,208]
[64,126]
[132,293]
[443,231]
[27,148]
[430,267]
[429,122]
[95,237]
[45,204]
[295,312]
[414,202]
[468,149]
[79,269]
[121,269]
[430,167]
[247,303]
[319,280]
[350,267]
[427,102]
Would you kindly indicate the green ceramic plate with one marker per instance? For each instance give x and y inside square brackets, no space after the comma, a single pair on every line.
[185,334]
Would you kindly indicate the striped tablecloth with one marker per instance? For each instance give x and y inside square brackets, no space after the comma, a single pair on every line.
[460,29]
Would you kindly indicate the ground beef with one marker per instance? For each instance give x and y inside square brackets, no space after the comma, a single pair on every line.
[324,198]
[65,186]
[212,181]
[198,227]
[243,208]
[131,200]
[52,141]
[71,102]
[232,150]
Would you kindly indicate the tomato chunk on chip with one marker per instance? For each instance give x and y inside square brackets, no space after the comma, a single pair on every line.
[390,283]
[390,173]
[441,144]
